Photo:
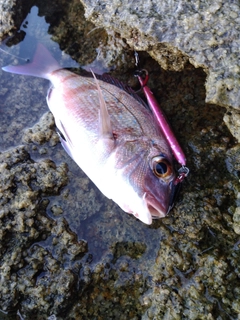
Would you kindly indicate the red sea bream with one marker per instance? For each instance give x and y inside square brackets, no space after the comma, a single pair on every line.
[113,137]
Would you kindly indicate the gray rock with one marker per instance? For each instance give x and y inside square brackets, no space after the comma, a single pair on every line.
[232,120]
[174,31]
[70,252]
[12,13]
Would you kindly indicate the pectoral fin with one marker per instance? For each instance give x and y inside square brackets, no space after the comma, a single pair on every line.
[64,138]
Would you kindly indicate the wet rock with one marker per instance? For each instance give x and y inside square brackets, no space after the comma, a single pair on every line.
[72,253]
[33,246]
[173,34]
[43,131]
[87,44]
[186,263]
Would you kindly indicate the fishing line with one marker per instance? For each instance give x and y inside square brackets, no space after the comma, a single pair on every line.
[13,55]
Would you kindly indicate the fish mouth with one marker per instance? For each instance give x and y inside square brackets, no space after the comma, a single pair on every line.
[151,208]
[157,209]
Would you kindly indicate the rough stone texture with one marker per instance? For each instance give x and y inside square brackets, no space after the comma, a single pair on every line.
[66,251]
[232,120]
[28,268]
[12,14]
[208,34]
[7,23]
[42,132]
[172,32]
[182,267]
[236,219]
[233,165]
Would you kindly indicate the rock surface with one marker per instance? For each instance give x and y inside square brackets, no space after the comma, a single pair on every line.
[172,31]
[12,14]
[67,252]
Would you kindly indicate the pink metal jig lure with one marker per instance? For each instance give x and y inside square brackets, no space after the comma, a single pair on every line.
[163,123]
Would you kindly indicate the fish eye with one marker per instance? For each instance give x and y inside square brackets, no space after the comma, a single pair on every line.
[161,167]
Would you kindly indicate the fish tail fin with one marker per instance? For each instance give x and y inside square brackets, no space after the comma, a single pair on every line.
[42,65]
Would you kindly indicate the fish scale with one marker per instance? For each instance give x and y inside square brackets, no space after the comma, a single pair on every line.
[113,138]
[125,112]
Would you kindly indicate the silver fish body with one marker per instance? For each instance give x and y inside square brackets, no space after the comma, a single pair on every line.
[113,138]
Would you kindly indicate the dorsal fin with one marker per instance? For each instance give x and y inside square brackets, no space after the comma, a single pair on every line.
[111,80]
[104,118]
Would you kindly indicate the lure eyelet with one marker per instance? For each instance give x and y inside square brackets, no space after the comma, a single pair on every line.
[161,167]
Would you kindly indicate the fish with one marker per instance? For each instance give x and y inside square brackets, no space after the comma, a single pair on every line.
[111,135]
